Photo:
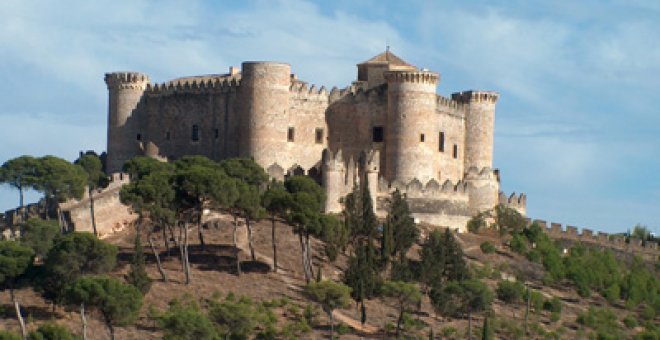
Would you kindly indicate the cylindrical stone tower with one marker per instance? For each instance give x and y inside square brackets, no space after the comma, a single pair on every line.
[264,99]
[125,92]
[411,105]
[479,127]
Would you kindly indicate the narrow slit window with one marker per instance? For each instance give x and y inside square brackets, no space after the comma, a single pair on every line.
[217,133]
[139,137]
[421,138]
[195,133]
[291,134]
[168,136]
[319,136]
[455,151]
[441,142]
[377,134]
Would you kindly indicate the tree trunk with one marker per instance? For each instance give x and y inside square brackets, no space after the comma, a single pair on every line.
[398,325]
[304,257]
[160,267]
[274,244]
[469,335]
[112,330]
[527,310]
[182,252]
[308,252]
[91,208]
[174,239]
[249,230]
[332,325]
[83,320]
[60,220]
[185,249]
[166,241]
[19,316]
[199,229]
[236,250]
[20,194]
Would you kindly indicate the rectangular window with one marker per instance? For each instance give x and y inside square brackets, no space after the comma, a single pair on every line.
[455,151]
[195,133]
[167,135]
[291,135]
[217,133]
[319,136]
[377,134]
[139,137]
[441,142]
[421,138]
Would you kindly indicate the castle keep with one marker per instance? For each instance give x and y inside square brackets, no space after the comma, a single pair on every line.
[389,127]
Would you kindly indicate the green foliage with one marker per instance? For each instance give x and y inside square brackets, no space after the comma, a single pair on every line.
[39,235]
[7,335]
[14,261]
[20,173]
[510,292]
[640,285]
[476,223]
[536,300]
[487,332]
[457,299]
[630,321]
[185,321]
[509,220]
[553,305]
[335,234]
[399,232]
[59,179]
[518,243]
[442,259]
[641,232]
[603,321]
[72,256]
[591,269]
[140,166]
[137,276]
[245,170]
[118,303]
[361,274]
[406,295]
[330,295]
[487,247]
[51,331]
[91,163]
[151,191]
[239,318]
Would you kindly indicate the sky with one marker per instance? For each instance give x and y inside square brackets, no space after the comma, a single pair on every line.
[577,124]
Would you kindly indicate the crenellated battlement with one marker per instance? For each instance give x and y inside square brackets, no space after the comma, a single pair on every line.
[217,85]
[514,201]
[445,104]
[299,90]
[412,77]
[473,96]
[126,80]
[431,190]
[614,241]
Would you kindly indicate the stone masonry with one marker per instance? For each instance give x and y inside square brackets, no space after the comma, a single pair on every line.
[389,127]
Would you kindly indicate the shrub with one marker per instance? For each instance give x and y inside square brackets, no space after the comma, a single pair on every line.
[518,244]
[510,292]
[603,321]
[51,331]
[534,255]
[476,223]
[487,247]
[630,321]
[536,300]
[553,305]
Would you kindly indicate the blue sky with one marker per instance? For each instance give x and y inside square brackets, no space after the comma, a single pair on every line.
[577,124]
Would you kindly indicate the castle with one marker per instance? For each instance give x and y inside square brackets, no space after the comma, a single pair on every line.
[389,127]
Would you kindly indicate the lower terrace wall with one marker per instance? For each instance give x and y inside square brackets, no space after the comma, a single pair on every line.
[110,214]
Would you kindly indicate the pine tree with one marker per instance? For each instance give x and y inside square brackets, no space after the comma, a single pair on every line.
[137,276]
